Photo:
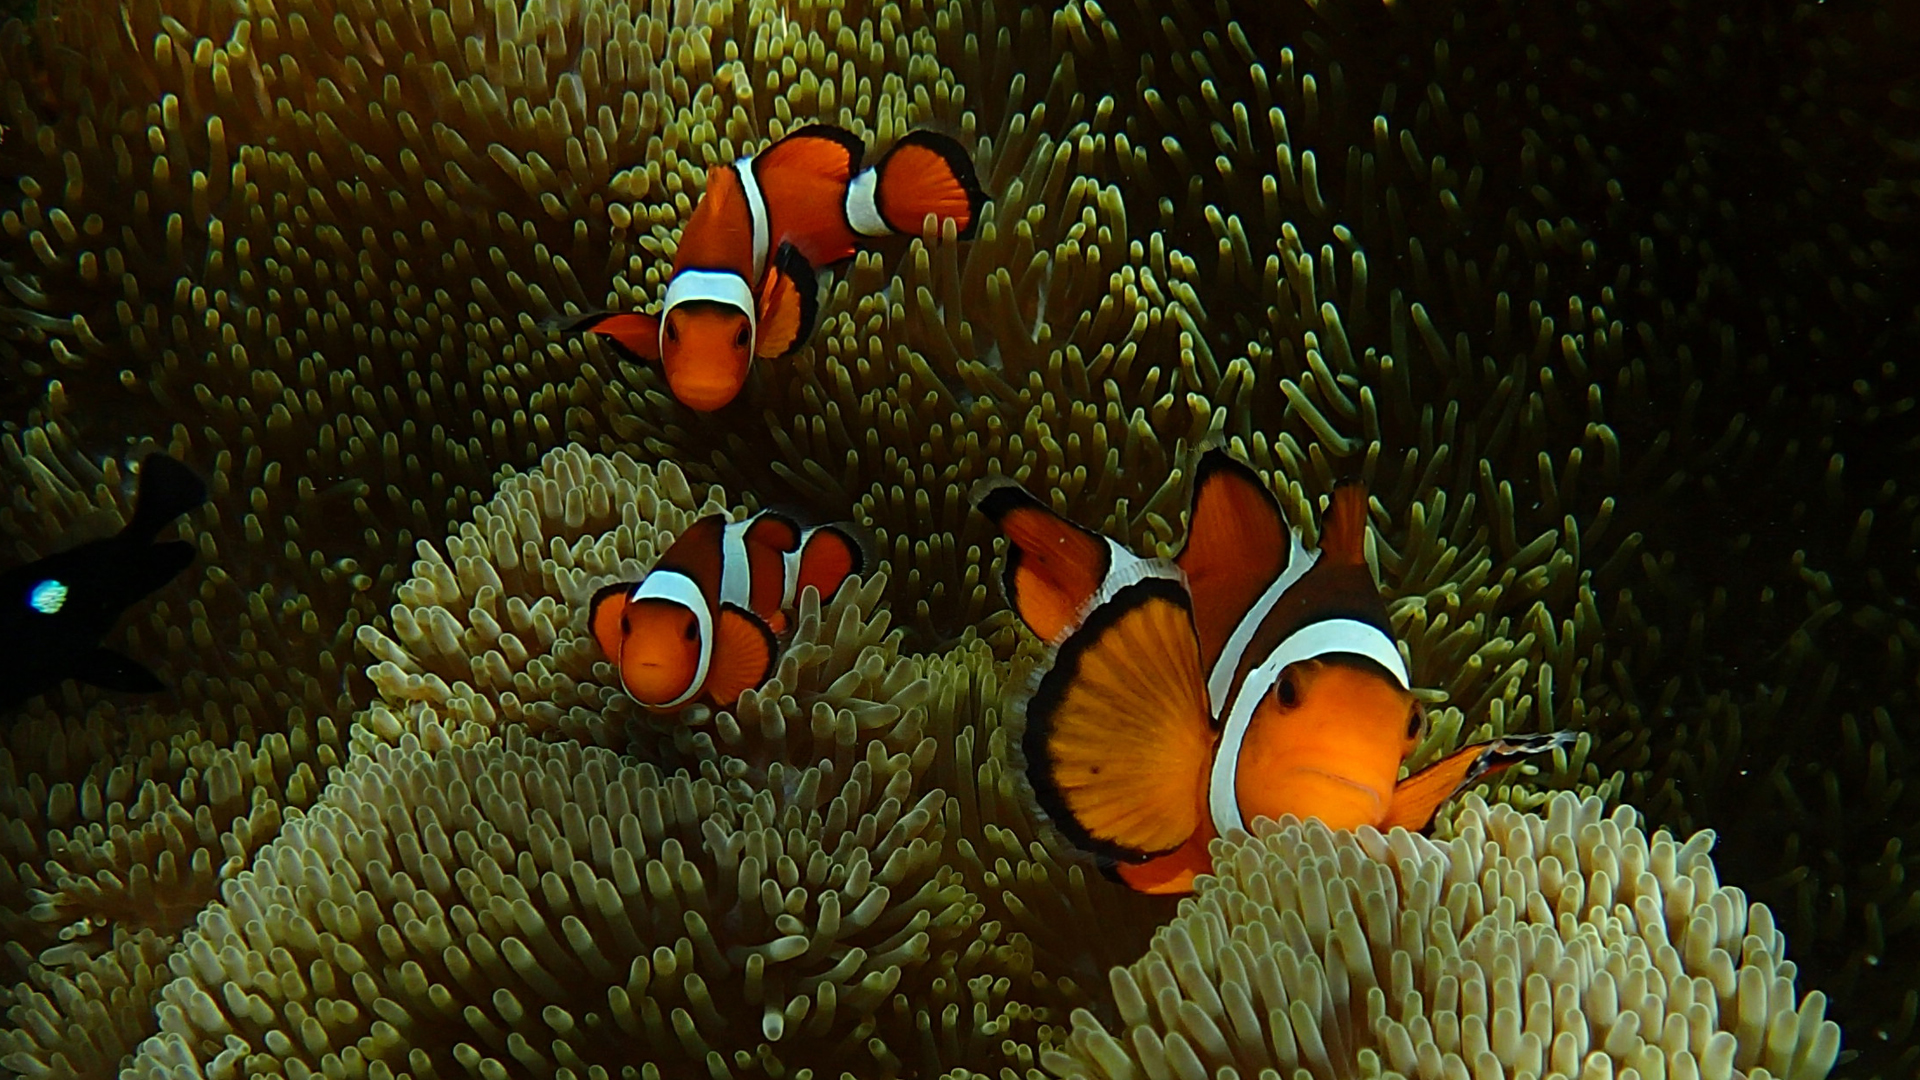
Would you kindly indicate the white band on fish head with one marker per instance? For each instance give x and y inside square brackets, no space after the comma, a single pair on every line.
[1324,638]
[863,209]
[756,211]
[677,587]
[714,286]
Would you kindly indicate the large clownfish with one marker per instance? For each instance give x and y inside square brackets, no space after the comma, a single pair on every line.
[1246,678]
[702,623]
[743,283]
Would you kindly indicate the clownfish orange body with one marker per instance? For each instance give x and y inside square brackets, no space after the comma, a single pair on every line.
[1247,677]
[702,623]
[743,281]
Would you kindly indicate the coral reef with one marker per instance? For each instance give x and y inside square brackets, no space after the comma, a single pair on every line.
[1568,944]
[1521,267]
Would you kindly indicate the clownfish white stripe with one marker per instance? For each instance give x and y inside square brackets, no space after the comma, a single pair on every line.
[1220,679]
[863,212]
[1125,569]
[681,589]
[736,574]
[756,212]
[1310,641]
[718,286]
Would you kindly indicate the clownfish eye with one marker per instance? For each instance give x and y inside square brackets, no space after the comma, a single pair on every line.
[1287,691]
[1415,721]
[673,332]
[693,631]
[744,337]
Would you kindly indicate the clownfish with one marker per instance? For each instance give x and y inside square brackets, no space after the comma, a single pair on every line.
[1247,677]
[703,621]
[54,611]
[743,279]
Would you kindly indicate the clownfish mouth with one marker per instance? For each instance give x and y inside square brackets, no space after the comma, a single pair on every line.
[1339,801]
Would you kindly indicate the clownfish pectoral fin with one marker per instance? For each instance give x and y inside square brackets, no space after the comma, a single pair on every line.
[1416,798]
[924,173]
[631,332]
[789,303]
[606,615]
[1237,545]
[1054,567]
[1119,739]
[1343,535]
[743,654]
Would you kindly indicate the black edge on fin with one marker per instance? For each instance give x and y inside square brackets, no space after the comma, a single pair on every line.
[790,262]
[1066,662]
[959,161]
[110,670]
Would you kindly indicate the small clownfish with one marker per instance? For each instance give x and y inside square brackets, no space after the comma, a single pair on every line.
[702,622]
[743,280]
[54,611]
[1246,678]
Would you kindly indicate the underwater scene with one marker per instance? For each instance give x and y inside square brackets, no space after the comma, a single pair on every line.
[1106,540]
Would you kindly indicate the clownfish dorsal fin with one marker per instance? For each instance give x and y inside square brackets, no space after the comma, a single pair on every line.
[789,304]
[1053,566]
[924,173]
[1418,797]
[1343,535]
[697,553]
[743,654]
[1118,735]
[769,538]
[606,616]
[1238,544]
[803,179]
[719,233]
[630,332]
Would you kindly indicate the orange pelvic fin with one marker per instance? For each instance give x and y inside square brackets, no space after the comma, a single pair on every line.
[631,332]
[1418,797]
[1237,544]
[924,173]
[789,304]
[1118,740]
[743,654]
[1053,566]
[1171,874]
[1343,535]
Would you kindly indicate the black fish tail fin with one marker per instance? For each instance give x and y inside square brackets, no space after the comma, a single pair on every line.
[117,671]
[167,490]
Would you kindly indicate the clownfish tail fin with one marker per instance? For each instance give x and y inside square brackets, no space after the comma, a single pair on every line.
[1344,533]
[1418,797]
[1054,568]
[744,650]
[789,303]
[633,333]
[828,556]
[924,173]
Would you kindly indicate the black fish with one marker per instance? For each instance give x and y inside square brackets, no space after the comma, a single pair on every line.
[54,612]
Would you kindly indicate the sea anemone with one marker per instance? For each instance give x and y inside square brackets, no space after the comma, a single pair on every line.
[1569,944]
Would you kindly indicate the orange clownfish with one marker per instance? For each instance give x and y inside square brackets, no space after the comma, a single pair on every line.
[702,622]
[743,283]
[1246,678]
